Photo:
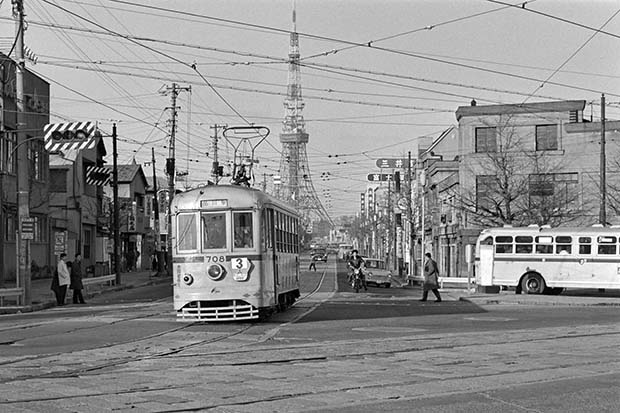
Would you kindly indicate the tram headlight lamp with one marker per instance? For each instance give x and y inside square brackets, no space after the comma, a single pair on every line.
[216,272]
[188,279]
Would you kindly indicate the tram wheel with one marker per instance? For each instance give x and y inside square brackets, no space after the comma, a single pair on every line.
[533,283]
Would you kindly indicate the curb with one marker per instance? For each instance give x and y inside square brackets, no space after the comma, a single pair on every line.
[580,302]
[52,303]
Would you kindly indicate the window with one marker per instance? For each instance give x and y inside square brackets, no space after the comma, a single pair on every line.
[87,245]
[243,230]
[546,137]
[561,187]
[186,232]
[486,140]
[585,245]
[541,185]
[607,245]
[7,147]
[10,224]
[58,180]
[486,192]
[563,244]
[503,245]
[36,155]
[40,232]
[214,231]
[525,244]
[544,245]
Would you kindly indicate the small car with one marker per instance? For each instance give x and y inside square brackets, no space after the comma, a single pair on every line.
[319,255]
[376,273]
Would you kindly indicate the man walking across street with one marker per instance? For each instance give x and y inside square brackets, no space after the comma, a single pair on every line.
[431,278]
[76,280]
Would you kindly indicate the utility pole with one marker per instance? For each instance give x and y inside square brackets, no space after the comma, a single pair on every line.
[158,251]
[410,216]
[603,177]
[170,164]
[23,166]
[215,171]
[117,224]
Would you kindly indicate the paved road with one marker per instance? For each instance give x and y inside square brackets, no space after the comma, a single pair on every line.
[333,351]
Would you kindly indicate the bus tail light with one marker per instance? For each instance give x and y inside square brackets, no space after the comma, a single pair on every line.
[216,272]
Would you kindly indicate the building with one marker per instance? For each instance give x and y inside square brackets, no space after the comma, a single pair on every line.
[36,95]
[516,164]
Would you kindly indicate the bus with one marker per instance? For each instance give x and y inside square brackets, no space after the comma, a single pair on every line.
[544,260]
[235,254]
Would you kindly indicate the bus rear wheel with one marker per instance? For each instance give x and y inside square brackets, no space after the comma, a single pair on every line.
[532,283]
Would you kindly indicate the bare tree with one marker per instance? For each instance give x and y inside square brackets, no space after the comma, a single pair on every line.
[515,184]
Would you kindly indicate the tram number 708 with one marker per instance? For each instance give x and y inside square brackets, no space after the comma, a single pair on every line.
[215,258]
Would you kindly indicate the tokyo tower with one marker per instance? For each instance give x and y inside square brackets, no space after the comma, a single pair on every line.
[296,184]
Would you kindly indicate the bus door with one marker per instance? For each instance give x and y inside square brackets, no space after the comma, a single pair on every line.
[485,273]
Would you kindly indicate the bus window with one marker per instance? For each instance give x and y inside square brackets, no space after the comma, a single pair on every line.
[186,232]
[243,230]
[214,231]
[544,245]
[503,245]
[563,244]
[585,245]
[487,241]
[524,244]
[607,245]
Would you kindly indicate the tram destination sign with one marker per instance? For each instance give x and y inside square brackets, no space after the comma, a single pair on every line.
[394,163]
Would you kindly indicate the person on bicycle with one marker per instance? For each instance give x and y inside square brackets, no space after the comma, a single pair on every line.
[357,262]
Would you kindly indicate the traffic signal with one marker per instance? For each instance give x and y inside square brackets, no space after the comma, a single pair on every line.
[397,182]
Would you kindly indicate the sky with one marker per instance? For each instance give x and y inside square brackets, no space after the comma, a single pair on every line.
[378,76]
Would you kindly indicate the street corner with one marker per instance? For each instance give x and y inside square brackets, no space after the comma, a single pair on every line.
[510,298]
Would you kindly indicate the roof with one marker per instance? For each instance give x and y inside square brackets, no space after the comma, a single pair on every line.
[555,106]
[127,173]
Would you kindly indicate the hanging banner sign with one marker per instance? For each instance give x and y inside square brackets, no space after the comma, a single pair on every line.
[98,175]
[69,136]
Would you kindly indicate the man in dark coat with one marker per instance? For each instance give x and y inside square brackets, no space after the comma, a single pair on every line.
[431,278]
[76,280]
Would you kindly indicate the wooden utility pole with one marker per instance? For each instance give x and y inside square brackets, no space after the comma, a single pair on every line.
[23,170]
[215,171]
[410,217]
[117,224]
[158,251]
[603,177]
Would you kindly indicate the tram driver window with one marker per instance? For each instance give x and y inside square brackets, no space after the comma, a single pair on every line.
[214,231]
[243,230]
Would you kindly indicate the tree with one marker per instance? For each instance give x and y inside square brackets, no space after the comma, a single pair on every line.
[513,183]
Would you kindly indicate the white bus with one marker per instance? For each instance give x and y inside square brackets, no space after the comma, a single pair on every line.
[543,260]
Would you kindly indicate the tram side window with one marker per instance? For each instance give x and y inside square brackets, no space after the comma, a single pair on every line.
[544,245]
[585,245]
[186,232]
[214,231]
[524,244]
[607,245]
[563,244]
[278,223]
[503,245]
[242,224]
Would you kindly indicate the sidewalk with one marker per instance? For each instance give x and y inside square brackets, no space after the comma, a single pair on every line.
[43,297]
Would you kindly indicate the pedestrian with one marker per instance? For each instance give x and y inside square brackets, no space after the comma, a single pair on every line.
[130,259]
[312,263]
[64,278]
[76,280]
[154,262]
[431,279]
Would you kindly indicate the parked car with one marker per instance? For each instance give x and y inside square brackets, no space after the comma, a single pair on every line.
[376,273]
[319,255]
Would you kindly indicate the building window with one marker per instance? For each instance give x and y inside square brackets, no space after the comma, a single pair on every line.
[10,223]
[486,192]
[36,155]
[486,139]
[546,137]
[561,187]
[86,241]
[58,180]
[40,229]
[8,152]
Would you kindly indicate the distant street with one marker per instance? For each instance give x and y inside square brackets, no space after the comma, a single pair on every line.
[333,351]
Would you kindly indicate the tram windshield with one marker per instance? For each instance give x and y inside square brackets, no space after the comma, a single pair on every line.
[186,232]
[214,230]
[243,230]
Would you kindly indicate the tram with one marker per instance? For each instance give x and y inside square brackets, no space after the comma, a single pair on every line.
[235,254]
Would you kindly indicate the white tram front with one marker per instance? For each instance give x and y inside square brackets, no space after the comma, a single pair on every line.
[235,254]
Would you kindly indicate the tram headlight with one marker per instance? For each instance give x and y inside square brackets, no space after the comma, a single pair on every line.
[188,279]
[216,272]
